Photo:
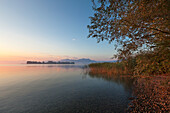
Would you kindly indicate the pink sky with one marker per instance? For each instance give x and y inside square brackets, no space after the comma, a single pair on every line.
[22,59]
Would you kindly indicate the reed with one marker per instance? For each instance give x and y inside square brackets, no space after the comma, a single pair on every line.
[118,68]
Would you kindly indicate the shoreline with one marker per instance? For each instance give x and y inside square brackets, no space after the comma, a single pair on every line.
[150,93]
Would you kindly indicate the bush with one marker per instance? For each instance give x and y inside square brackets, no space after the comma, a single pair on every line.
[145,63]
[152,63]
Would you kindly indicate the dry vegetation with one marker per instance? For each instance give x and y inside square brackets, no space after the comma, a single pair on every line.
[152,95]
[109,68]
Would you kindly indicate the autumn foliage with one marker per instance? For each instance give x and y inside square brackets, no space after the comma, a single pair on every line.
[139,29]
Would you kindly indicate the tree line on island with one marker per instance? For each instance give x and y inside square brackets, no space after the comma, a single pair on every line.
[48,62]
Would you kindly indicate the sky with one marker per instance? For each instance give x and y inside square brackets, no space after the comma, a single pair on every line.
[48,30]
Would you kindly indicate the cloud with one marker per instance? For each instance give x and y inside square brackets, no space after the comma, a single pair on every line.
[73,39]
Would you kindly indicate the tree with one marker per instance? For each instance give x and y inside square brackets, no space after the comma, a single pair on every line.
[133,25]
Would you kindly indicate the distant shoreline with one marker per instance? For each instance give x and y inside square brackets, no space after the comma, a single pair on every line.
[49,62]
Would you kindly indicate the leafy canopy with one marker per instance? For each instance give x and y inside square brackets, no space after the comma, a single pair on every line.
[133,25]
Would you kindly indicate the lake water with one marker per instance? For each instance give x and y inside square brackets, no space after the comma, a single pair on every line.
[60,89]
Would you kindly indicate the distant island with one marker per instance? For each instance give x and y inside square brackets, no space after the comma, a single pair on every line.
[70,61]
[48,62]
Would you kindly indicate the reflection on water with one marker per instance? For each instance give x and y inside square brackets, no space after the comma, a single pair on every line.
[60,89]
[127,82]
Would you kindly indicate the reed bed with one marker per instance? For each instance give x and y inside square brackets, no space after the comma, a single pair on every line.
[117,68]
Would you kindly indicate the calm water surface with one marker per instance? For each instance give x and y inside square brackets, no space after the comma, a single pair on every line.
[60,89]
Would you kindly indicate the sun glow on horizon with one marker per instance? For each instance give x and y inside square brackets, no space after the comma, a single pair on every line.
[49,30]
